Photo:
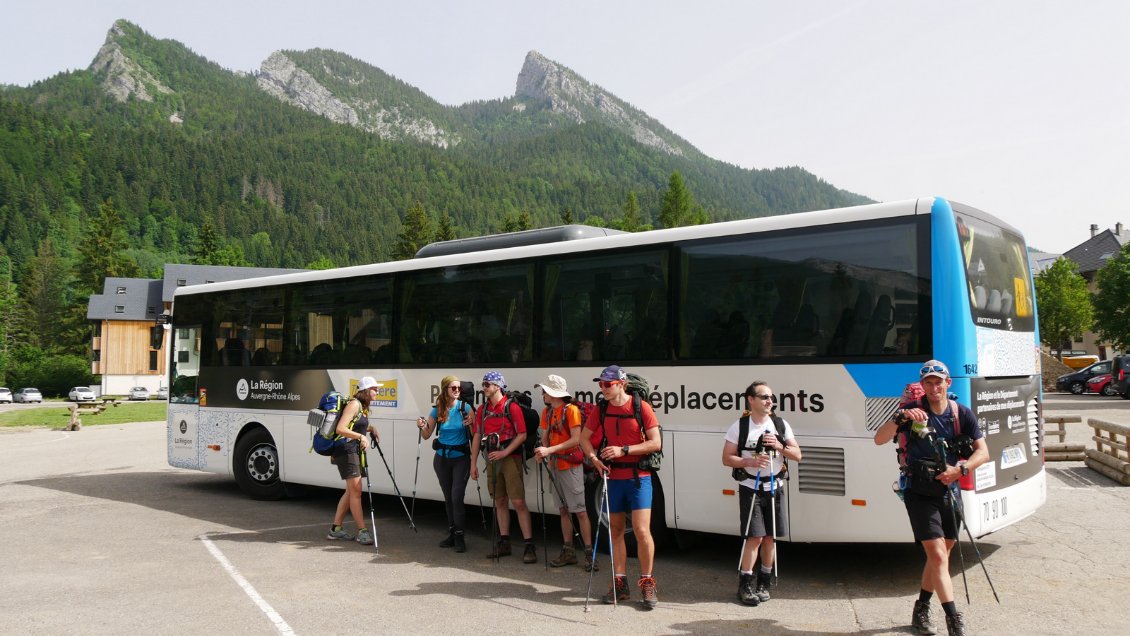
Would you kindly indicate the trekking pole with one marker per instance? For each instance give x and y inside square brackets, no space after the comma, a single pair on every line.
[561,498]
[773,510]
[592,564]
[544,532]
[369,487]
[416,478]
[977,551]
[749,520]
[611,547]
[492,441]
[397,488]
[957,529]
[482,511]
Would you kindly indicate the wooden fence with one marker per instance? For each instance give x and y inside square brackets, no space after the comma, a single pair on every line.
[1111,456]
[1061,451]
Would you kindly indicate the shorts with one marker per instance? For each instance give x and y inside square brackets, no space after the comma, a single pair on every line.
[626,495]
[348,465]
[569,488]
[760,522]
[931,517]
[504,478]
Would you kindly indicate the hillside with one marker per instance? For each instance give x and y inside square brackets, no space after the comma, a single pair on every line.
[318,155]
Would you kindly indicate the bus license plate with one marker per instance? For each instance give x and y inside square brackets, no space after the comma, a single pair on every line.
[1013,456]
[995,509]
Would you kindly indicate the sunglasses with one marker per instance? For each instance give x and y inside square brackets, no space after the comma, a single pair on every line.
[604,384]
[933,368]
[454,387]
[765,396]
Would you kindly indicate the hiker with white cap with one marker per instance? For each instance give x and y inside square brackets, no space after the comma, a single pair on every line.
[353,425]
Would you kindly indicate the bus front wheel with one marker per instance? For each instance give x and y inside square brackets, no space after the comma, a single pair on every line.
[256,466]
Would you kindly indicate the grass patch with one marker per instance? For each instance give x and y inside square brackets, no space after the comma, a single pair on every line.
[61,416]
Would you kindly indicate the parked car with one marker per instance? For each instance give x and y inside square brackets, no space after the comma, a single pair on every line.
[1077,382]
[5,395]
[163,393]
[27,395]
[1101,385]
[139,393]
[81,394]
[1120,372]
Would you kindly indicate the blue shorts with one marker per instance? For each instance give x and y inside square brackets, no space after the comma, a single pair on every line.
[624,495]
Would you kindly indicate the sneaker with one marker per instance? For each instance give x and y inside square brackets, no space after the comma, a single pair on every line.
[340,533]
[589,564]
[460,541]
[530,554]
[745,590]
[762,589]
[955,624]
[449,542]
[500,550]
[620,594]
[647,591]
[921,618]
[363,537]
[568,556]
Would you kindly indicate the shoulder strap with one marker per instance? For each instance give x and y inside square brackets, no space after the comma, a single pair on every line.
[956,417]
[779,424]
[743,432]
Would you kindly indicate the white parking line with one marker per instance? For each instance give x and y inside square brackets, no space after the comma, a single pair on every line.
[264,606]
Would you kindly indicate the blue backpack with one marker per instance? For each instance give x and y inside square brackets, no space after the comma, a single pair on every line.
[324,420]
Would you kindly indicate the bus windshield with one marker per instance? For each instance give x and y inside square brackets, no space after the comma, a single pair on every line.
[996,266]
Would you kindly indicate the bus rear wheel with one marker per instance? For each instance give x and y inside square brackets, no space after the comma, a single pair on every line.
[256,466]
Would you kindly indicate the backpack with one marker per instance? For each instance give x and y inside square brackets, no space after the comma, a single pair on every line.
[324,420]
[637,387]
[740,474]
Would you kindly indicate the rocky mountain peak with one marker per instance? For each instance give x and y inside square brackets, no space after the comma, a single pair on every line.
[565,92]
[121,76]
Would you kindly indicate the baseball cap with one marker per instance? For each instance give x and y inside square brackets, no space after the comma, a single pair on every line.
[610,373]
[934,367]
[367,382]
[554,386]
[494,377]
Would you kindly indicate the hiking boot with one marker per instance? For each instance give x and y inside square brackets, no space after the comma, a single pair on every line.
[500,550]
[745,590]
[955,624]
[340,533]
[647,592]
[762,589]
[449,542]
[589,564]
[621,592]
[460,541]
[530,554]
[363,537]
[568,556]
[921,618]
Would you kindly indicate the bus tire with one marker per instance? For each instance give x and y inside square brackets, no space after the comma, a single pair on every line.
[257,467]
[659,531]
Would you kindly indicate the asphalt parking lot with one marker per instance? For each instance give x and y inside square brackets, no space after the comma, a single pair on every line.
[99,535]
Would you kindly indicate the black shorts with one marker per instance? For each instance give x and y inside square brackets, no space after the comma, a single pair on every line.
[931,517]
[760,522]
[348,465]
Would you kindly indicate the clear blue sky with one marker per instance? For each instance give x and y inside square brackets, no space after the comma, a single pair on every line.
[1018,107]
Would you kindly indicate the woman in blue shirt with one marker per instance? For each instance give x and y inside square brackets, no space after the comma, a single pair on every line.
[449,419]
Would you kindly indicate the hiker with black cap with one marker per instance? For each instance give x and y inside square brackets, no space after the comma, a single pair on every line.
[758,461]
[629,489]
[353,425]
[561,453]
[502,434]
[930,432]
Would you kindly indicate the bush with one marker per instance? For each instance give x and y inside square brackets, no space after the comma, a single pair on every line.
[53,375]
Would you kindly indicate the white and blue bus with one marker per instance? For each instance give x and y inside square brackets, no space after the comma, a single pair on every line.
[836,309]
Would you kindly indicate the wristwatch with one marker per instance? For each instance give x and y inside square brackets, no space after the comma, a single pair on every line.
[964,469]
[625,449]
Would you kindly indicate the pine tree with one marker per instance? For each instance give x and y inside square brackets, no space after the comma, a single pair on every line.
[415,233]
[678,204]
[101,255]
[44,298]
[445,232]
[207,246]
[567,216]
[631,221]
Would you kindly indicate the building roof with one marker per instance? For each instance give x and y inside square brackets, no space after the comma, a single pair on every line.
[1092,255]
[126,299]
[180,275]
[1039,261]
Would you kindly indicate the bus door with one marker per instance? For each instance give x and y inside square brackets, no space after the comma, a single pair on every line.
[185,441]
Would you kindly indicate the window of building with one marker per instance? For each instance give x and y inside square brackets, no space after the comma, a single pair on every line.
[121,290]
[119,309]
[181,282]
[153,360]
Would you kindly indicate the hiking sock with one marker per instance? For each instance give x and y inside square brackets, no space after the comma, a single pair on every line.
[334,528]
[950,608]
[766,570]
[924,596]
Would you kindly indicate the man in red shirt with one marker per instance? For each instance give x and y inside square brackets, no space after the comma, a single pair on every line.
[505,435]
[629,489]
